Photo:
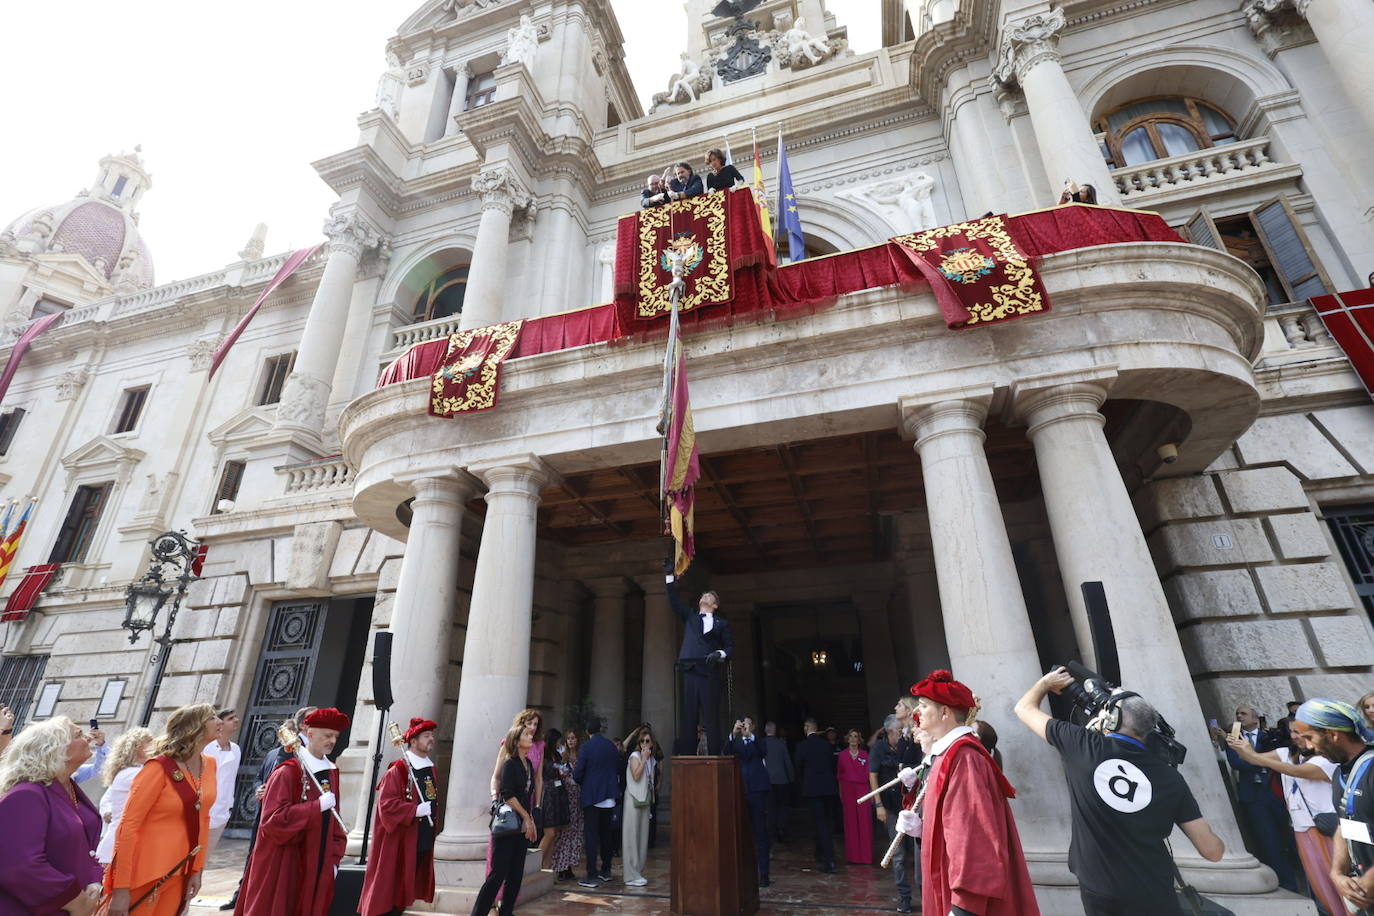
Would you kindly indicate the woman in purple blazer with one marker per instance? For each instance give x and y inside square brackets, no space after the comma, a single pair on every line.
[50,827]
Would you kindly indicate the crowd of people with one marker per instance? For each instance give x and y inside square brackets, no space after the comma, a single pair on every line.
[928,780]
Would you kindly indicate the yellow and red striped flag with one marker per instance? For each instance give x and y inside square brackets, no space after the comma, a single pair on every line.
[681,462]
[10,545]
[761,199]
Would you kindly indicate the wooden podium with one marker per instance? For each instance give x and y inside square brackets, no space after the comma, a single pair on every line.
[714,870]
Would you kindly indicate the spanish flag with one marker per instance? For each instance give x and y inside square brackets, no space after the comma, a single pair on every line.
[10,545]
[761,199]
[681,462]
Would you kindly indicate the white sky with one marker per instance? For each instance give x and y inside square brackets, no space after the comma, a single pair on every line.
[231,103]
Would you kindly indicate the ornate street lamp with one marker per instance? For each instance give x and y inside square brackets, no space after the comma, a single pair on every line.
[166,580]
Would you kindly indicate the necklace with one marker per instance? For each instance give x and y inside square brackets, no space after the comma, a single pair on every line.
[194,782]
[71,793]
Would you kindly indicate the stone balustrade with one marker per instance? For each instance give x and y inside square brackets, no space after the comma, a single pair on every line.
[313,476]
[1300,325]
[1192,169]
[404,338]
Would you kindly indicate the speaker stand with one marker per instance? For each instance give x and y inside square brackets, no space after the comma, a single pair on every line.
[376,777]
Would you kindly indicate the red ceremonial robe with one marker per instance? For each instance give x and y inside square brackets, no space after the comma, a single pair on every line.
[396,876]
[291,872]
[970,851]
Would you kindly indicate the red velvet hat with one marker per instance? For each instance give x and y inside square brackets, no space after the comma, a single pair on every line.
[941,687]
[418,726]
[329,718]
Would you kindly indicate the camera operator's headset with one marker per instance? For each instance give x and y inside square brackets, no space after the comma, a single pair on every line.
[1108,718]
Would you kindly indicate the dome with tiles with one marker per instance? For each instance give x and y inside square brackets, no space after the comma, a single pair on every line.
[100,224]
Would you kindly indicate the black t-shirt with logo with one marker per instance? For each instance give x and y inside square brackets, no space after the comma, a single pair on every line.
[1126,801]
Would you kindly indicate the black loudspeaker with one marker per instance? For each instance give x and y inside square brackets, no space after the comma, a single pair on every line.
[381,670]
[1100,625]
[348,884]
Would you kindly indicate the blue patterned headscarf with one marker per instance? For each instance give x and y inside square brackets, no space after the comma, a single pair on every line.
[1334,715]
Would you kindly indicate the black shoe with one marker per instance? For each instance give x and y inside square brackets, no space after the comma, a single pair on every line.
[589,882]
[829,868]
[904,906]
[764,882]
[605,875]
[233,902]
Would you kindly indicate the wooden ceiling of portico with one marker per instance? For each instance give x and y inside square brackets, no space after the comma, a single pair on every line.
[820,502]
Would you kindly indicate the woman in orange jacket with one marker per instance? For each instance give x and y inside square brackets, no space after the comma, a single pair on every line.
[160,845]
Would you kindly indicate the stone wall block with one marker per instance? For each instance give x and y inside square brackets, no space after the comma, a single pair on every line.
[1216,543]
[1175,498]
[351,543]
[381,610]
[201,592]
[311,554]
[1263,490]
[1257,645]
[231,589]
[1213,593]
[1343,642]
[1220,697]
[210,688]
[1291,438]
[257,561]
[1304,587]
[227,623]
[389,574]
[177,690]
[1299,536]
[213,655]
[1348,687]
[196,623]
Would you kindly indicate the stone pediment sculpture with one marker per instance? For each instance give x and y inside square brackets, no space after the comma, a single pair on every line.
[389,86]
[800,45]
[904,202]
[522,42]
[745,54]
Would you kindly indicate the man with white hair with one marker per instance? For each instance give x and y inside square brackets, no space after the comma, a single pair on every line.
[654,193]
[1125,800]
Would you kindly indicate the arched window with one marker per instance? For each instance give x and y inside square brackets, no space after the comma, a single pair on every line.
[1149,129]
[442,296]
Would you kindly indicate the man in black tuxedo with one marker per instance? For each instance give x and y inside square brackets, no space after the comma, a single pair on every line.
[816,777]
[706,644]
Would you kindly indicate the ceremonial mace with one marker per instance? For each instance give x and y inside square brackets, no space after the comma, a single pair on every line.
[291,743]
[398,739]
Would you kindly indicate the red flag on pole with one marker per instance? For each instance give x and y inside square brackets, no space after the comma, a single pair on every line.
[682,464]
[22,346]
[288,267]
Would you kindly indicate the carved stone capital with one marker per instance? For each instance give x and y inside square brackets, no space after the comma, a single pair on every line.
[303,402]
[202,352]
[351,234]
[70,383]
[1031,41]
[500,189]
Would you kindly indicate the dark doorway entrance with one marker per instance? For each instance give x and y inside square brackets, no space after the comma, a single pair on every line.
[312,654]
[814,666]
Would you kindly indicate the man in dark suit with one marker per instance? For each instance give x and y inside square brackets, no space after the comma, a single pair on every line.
[686,184]
[706,645]
[816,777]
[598,763]
[1262,810]
[752,753]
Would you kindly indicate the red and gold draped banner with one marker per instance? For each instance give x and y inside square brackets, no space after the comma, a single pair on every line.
[469,377]
[1349,317]
[719,235]
[977,271]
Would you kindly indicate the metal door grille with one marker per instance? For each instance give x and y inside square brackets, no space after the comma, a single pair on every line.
[1353,529]
[20,676]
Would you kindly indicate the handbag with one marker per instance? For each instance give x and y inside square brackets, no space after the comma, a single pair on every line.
[504,819]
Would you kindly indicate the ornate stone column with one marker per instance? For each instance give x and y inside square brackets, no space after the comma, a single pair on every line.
[660,652]
[496,658]
[1097,537]
[462,75]
[501,194]
[306,393]
[1345,33]
[987,630]
[1030,58]
[607,649]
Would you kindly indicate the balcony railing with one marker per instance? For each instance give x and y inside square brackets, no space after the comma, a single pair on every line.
[1193,169]
[313,476]
[404,338]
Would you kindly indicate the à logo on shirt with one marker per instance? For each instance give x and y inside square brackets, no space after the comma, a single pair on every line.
[1122,785]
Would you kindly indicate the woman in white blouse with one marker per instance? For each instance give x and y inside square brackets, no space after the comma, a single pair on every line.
[131,751]
[639,788]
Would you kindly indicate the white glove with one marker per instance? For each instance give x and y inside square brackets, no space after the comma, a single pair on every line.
[908,776]
[423,809]
[908,823]
[721,653]
[327,801]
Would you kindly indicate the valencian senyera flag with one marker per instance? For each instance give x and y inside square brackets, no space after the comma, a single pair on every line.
[681,464]
[9,546]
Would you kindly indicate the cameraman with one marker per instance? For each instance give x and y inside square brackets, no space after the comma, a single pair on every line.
[1126,801]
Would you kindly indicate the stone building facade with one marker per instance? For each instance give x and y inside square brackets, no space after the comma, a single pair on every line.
[877,487]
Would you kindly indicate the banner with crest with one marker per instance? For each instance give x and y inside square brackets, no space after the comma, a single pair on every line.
[716,235]
[978,272]
[468,378]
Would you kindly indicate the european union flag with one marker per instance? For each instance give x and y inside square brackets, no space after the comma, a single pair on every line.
[789,217]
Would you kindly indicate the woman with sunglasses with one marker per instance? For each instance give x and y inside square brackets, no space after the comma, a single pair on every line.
[639,788]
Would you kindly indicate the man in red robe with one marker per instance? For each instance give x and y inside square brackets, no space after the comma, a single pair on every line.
[971,859]
[401,868]
[300,841]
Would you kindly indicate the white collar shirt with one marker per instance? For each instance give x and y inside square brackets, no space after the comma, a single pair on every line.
[707,621]
[417,762]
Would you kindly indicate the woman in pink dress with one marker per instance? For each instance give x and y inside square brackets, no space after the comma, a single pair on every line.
[851,769]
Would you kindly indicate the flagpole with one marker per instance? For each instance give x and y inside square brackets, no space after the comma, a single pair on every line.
[665,415]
